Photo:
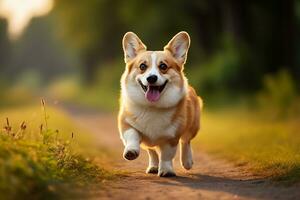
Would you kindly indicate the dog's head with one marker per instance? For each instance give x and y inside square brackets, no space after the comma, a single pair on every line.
[155,78]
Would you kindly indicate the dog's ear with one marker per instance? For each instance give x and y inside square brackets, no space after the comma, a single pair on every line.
[179,46]
[132,45]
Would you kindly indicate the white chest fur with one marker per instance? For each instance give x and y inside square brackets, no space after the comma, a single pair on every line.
[153,124]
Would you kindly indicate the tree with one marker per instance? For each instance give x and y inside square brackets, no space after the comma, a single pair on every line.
[262,33]
[4,45]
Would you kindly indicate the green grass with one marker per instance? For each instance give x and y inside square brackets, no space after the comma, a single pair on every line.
[39,161]
[269,147]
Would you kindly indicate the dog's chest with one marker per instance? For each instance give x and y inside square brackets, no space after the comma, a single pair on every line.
[153,124]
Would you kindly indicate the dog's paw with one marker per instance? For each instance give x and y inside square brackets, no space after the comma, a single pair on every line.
[130,154]
[166,169]
[163,173]
[187,164]
[152,170]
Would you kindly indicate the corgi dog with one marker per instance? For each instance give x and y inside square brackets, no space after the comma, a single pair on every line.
[158,108]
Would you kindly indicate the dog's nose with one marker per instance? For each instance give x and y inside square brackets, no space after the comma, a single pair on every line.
[152,79]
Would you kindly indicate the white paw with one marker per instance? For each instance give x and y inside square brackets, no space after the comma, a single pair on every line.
[131,153]
[187,164]
[152,170]
[166,173]
[166,169]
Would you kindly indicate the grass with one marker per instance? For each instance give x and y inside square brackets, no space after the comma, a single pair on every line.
[39,161]
[269,147]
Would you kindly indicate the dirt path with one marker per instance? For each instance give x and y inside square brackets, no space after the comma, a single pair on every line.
[209,179]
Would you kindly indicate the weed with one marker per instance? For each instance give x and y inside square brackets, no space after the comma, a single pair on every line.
[45,167]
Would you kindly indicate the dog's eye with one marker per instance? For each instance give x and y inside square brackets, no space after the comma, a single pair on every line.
[163,66]
[143,67]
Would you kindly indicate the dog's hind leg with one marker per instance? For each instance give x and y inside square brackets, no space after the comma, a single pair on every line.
[186,156]
[131,140]
[153,162]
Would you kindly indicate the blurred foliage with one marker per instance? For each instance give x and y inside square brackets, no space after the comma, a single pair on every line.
[232,41]
[39,53]
[279,96]
[104,93]
[234,45]
[4,55]
[221,71]
[37,57]
[4,44]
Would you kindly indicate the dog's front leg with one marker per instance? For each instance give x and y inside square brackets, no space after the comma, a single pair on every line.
[131,140]
[153,162]
[167,153]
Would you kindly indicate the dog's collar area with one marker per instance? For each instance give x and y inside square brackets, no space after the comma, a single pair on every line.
[153,87]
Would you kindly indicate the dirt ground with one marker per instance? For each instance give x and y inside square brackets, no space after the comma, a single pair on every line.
[210,178]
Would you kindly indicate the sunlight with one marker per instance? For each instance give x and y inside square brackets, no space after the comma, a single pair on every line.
[20,12]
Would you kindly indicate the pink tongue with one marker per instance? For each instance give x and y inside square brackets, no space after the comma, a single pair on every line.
[152,94]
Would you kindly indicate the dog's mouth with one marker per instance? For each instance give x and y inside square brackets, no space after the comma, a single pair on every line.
[152,92]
